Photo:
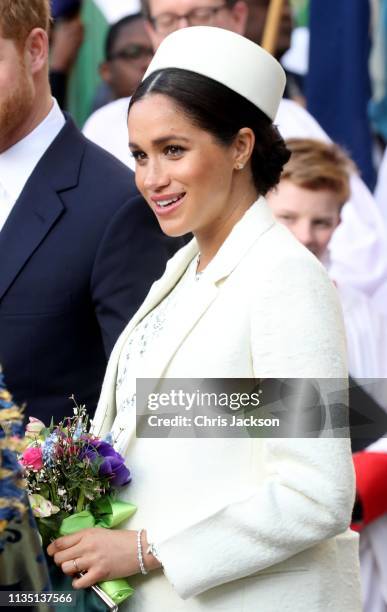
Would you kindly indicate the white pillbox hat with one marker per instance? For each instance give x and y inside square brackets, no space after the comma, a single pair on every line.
[228,58]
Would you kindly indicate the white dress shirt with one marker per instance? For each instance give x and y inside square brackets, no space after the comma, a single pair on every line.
[19,161]
[5,207]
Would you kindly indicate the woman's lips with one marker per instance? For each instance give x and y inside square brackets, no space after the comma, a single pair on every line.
[166,204]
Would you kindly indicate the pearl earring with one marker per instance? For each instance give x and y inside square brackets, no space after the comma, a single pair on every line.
[240,166]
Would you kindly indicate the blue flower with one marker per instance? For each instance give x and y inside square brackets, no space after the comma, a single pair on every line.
[78,431]
[49,449]
[108,438]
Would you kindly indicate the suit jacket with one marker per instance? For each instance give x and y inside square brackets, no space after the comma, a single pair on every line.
[78,254]
[244,524]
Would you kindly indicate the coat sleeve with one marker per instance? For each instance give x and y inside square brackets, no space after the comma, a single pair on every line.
[132,254]
[308,493]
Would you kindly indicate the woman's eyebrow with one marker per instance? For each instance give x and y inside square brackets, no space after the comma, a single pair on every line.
[161,140]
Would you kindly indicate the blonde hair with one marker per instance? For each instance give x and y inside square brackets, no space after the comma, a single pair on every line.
[317,165]
[19,17]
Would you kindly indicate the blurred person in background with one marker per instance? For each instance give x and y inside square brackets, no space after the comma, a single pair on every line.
[128,51]
[255,27]
[359,246]
[65,9]
[314,187]
[256,21]
[65,41]
[371,522]
[164,16]
[309,198]
[79,248]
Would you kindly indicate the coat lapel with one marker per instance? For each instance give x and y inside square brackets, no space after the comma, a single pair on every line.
[193,305]
[39,205]
[106,409]
[31,219]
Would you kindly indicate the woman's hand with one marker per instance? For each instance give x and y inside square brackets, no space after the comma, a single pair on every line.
[103,554]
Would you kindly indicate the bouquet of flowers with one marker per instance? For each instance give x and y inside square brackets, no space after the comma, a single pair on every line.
[72,478]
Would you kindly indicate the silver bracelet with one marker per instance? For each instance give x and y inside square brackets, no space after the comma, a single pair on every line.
[139,553]
[152,550]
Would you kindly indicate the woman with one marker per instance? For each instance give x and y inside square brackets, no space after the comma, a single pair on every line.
[236,524]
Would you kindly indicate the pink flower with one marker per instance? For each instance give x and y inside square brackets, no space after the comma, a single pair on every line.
[32,458]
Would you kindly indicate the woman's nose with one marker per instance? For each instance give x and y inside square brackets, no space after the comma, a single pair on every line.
[156,176]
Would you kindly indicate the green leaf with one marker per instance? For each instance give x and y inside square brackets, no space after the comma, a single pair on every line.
[49,526]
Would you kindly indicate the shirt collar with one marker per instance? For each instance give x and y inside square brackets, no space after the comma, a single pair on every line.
[19,161]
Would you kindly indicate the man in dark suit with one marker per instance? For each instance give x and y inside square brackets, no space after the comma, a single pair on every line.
[79,248]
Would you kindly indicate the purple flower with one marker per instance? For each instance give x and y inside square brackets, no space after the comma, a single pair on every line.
[113,465]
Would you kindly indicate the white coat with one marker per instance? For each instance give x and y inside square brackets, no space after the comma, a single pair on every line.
[244,524]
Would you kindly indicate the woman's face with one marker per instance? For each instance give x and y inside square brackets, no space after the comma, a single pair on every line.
[183,173]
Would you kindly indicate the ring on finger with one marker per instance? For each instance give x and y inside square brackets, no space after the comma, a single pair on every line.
[76,566]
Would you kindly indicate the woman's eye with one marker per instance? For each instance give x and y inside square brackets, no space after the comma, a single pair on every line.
[138,155]
[174,150]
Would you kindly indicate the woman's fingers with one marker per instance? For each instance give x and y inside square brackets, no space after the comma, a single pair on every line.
[68,555]
[93,576]
[102,553]
[64,542]
[76,565]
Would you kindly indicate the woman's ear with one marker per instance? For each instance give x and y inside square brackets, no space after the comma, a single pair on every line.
[243,147]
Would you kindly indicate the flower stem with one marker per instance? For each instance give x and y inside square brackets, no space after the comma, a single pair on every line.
[81,501]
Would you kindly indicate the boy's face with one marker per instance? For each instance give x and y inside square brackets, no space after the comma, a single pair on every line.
[311,216]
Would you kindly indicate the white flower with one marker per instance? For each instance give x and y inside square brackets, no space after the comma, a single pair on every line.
[42,507]
[34,427]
